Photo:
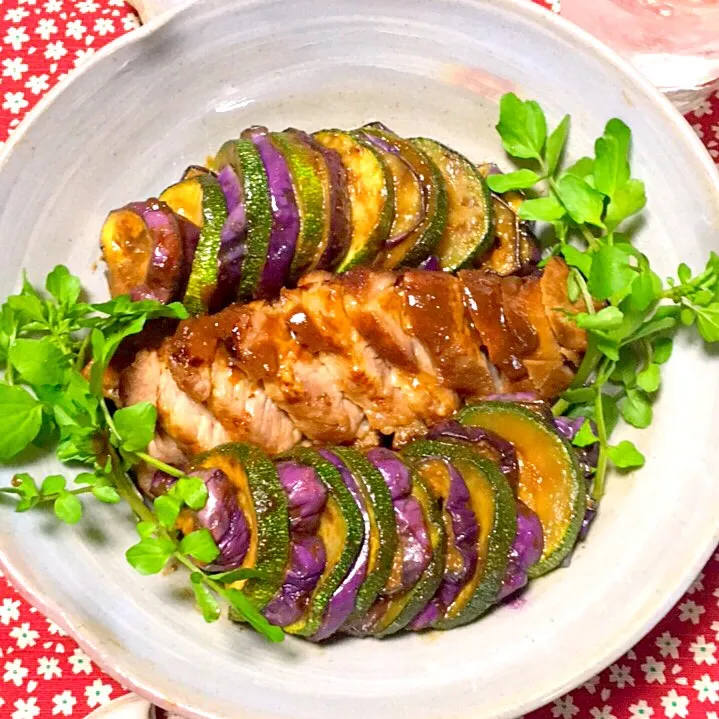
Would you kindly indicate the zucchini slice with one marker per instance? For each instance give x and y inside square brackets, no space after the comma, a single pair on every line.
[371,195]
[400,611]
[551,483]
[493,504]
[245,158]
[468,231]
[421,242]
[200,199]
[383,530]
[264,504]
[305,168]
[342,531]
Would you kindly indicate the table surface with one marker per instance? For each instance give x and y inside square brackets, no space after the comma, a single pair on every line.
[673,672]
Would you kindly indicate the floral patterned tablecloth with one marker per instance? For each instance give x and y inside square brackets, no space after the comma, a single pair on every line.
[673,672]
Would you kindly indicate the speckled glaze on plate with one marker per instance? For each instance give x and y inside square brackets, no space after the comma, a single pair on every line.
[166,96]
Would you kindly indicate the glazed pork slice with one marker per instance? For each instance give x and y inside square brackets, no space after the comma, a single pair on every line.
[345,359]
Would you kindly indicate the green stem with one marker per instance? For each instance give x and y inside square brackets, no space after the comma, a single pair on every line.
[696,283]
[80,361]
[601,473]
[128,491]
[584,289]
[167,468]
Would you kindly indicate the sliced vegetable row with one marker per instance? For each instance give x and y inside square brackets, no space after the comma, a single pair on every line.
[372,543]
[275,205]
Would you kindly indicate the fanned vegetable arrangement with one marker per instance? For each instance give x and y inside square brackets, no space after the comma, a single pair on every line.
[464,453]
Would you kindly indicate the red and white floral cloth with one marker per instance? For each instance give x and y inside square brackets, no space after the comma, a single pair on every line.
[673,672]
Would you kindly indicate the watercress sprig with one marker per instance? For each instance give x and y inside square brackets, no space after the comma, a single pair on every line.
[630,315]
[55,350]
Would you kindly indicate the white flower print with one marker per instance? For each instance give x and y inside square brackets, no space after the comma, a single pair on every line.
[675,705]
[16,14]
[591,685]
[116,3]
[87,6]
[80,662]
[696,126]
[653,671]
[715,629]
[668,645]
[715,130]
[83,55]
[37,84]
[564,707]
[14,69]
[24,636]
[706,689]
[703,651]
[697,585]
[556,5]
[55,50]
[14,102]
[49,667]
[604,713]
[26,709]
[16,37]
[130,22]
[704,108]
[15,672]
[715,593]
[713,147]
[63,703]
[640,710]
[103,26]
[690,611]
[53,6]
[75,29]
[621,676]
[98,693]
[712,715]
[46,28]
[54,629]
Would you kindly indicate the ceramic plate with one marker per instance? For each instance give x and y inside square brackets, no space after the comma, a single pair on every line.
[170,94]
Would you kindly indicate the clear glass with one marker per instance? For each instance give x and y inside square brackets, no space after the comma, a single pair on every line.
[675,43]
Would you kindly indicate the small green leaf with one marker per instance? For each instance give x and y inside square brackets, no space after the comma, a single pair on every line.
[646,289]
[627,200]
[145,529]
[662,350]
[39,361]
[63,286]
[136,425]
[580,394]
[702,298]
[197,577]
[636,408]
[650,378]
[207,602]
[619,130]
[68,508]
[684,272]
[200,545]
[521,126]
[611,273]
[607,345]
[687,316]
[576,258]
[191,490]
[555,145]
[519,180]
[546,209]
[28,307]
[238,575]
[585,437]
[53,484]
[708,322]
[106,494]
[611,169]
[582,168]
[150,555]
[20,420]
[625,455]
[167,510]
[573,289]
[244,607]
[584,204]
[608,318]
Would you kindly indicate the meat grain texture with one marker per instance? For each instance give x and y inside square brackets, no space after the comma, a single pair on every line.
[346,359]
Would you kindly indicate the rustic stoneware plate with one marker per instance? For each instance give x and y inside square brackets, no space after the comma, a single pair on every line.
[166,96]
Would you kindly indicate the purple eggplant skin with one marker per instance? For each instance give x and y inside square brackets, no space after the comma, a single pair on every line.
[342,602]
[306,564]
[587,456]
[167,261]
[340,233]
[499,450]
[306,496]
[232,240]
[525,552]
[221,515]
[431,264]
[463,535]
[414,551]
[285,215]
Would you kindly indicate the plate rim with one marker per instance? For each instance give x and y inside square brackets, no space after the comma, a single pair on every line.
[128,677]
